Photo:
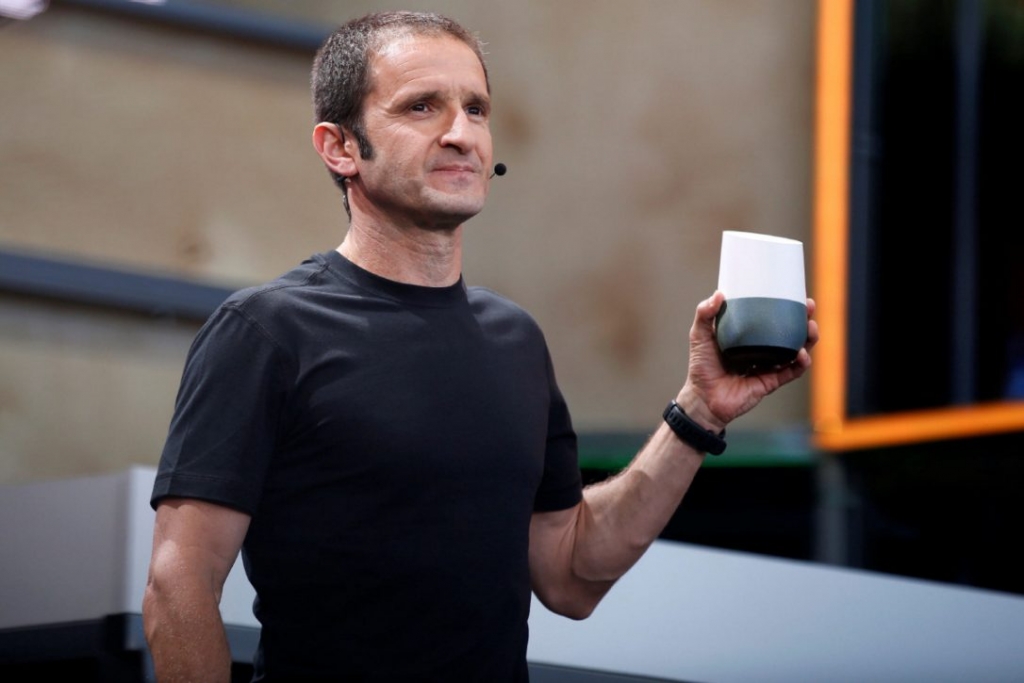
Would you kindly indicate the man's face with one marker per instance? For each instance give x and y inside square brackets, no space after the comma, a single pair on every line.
[428,118]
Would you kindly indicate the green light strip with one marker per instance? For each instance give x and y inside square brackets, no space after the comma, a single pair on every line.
[612,451]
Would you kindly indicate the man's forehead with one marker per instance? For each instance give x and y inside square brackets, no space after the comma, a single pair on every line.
[397,42]
[407,50]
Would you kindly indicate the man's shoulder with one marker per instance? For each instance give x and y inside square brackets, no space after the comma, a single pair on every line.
[491,306]
[281,310]
[295,284]
[484,297]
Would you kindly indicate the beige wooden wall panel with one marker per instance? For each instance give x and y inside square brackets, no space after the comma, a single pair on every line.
[130,144]
[634,134]
[81,391]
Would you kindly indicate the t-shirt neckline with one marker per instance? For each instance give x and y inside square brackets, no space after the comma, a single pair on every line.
[418,295]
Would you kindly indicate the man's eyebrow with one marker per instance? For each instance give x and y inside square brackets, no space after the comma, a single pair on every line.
[433,95]
[479,98]
[405,99]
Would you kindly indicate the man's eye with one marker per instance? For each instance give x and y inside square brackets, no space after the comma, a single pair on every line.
[476,110]
[419,106]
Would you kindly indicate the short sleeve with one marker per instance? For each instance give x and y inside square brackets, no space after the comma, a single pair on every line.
[561,486]
[227,415]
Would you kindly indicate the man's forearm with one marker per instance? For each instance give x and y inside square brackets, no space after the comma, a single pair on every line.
[622,516]
[577,555]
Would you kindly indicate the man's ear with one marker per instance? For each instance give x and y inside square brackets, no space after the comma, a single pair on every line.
[329,140]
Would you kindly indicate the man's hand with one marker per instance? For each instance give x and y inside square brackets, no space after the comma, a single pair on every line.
[713,396]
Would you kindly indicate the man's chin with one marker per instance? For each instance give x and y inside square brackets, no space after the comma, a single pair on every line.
[454,211]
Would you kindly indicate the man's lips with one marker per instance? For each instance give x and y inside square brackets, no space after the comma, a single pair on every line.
[456,168]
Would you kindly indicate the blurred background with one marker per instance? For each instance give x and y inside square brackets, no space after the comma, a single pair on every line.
[156,156]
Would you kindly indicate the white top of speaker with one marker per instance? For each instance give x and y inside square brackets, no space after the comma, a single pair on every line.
[756,265]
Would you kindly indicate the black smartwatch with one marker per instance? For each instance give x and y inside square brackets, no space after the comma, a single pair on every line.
[692,433]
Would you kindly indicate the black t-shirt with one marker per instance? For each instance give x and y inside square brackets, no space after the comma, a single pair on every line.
[390,442]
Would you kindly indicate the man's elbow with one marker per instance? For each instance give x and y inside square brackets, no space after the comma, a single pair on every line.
[578,611]
[154,605]
[576,603]
[170,594]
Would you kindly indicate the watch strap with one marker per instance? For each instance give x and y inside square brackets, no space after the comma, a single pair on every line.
[692,433]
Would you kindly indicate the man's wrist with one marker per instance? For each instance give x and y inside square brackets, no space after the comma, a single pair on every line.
[691,433]
[696,408]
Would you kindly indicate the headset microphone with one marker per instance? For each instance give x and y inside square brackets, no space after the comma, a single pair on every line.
[499,169]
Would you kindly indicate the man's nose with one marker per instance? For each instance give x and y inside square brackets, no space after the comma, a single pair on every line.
[457,131]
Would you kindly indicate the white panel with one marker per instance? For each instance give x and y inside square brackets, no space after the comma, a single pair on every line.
[79,550]
[696,614]
[61,551]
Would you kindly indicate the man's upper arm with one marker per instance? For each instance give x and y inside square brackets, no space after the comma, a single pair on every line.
[196,540]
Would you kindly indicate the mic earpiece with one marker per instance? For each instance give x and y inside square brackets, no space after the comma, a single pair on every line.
[499,169]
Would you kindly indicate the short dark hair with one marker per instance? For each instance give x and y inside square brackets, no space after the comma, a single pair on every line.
[340,80]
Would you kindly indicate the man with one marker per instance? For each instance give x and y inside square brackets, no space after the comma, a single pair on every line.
[388,447]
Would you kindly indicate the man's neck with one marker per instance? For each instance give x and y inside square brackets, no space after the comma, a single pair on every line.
[429,258]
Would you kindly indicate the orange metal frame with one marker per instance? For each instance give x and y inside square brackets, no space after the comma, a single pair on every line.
[833,430]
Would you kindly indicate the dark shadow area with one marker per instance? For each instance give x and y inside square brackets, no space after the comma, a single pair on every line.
[948,511]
